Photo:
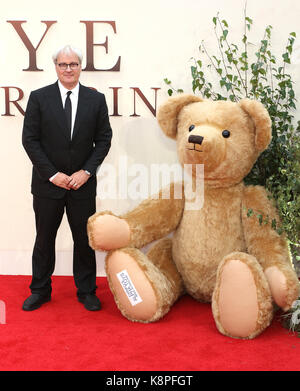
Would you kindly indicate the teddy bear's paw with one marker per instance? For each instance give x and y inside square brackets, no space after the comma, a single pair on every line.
[108,232]
[133,292]
[241,301]
[284,288]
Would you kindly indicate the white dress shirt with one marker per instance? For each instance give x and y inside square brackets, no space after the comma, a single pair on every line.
[74,101]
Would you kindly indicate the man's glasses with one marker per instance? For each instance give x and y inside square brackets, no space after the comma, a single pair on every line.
[63,66]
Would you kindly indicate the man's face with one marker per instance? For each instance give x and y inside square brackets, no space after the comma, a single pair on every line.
[68,77]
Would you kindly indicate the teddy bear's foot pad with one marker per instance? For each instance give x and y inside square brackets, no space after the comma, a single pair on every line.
[107,232]
[237,302]
[134,294]
[284,291]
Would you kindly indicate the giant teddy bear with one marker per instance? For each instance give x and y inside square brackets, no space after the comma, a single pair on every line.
[218,253]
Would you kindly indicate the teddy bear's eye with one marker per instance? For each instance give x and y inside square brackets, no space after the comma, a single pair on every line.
[225,133]
[191,127]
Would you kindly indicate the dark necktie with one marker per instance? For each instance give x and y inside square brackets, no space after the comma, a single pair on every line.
[68,111]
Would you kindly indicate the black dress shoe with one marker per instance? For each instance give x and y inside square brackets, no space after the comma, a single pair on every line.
[35,301]
[90,301]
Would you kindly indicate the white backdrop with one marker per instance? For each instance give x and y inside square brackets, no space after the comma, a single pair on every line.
[155,39]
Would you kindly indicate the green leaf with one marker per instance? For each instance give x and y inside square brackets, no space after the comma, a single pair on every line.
[286,58]
[250,212]
[274,224]
[228,86]
[194,71]
[225,23]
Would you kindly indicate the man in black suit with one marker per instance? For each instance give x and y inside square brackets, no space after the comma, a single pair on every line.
[66,135]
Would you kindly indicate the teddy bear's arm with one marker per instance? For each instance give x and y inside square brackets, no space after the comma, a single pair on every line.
[262,240]
[155,217]
[269,248]
[151,220]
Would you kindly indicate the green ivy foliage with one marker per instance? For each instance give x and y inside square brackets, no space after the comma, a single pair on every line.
[262,77]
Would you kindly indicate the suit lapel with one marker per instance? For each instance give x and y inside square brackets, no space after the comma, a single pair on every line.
[56,106]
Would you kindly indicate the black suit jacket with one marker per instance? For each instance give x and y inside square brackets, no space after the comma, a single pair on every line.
[47,141]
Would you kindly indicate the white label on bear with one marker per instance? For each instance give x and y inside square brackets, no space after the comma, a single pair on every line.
[129,288]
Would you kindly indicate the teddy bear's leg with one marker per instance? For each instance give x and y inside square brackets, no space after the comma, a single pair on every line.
[144,286]
[242,303]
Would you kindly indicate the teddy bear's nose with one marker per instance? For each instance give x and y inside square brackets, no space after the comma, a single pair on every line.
[195,139]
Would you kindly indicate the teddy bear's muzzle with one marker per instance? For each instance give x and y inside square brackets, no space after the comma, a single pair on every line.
[206,147]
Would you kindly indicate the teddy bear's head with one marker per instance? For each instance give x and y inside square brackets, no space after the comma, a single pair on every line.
[226,137]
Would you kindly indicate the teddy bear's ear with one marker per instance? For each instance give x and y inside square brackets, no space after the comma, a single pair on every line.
[168,112]
[262,122]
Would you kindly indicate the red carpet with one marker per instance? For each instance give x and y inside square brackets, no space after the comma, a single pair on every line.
[63,336]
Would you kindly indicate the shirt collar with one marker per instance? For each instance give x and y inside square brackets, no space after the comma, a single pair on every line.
[64,90]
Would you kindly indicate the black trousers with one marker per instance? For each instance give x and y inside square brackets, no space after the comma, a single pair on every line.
[48,216]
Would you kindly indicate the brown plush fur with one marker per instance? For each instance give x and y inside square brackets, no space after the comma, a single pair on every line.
[206,239]
[161,256]
[165,216]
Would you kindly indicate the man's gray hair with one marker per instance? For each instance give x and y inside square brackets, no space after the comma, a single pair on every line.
[68,49]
